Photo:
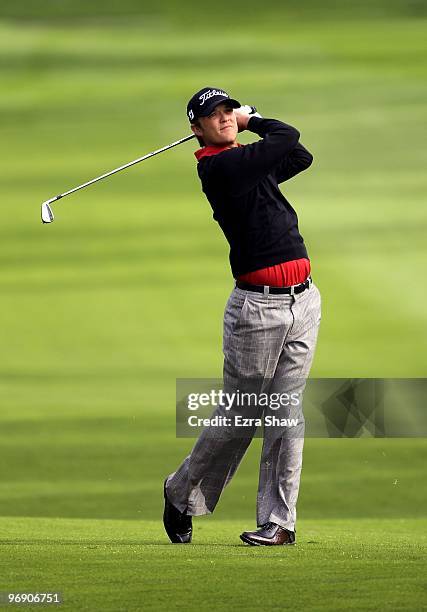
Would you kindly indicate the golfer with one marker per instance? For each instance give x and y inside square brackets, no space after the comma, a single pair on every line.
[271,319]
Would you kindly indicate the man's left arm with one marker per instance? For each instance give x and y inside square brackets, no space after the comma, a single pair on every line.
[296,161]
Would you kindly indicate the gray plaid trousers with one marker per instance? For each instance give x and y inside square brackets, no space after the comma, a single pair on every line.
[269,339]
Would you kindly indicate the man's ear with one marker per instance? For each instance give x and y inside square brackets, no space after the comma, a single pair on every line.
[196,129]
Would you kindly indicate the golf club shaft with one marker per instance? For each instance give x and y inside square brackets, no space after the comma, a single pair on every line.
[132,163]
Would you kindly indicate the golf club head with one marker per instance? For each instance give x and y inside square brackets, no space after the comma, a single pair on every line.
[47,214]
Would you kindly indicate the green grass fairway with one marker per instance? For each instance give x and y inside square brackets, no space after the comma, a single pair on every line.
[125,565]
[102,310]
[82,504]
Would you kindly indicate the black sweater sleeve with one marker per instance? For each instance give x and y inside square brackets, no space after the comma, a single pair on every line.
[299,159]
[243,167]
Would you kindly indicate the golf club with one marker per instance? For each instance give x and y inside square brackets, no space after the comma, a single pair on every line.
[46,210]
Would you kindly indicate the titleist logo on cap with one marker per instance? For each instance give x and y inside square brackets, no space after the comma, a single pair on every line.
[210,93]
[205,100]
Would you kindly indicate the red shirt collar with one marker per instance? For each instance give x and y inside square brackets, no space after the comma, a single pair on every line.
[213,150]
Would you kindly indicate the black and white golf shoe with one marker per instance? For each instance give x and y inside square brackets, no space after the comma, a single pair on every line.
[178,525]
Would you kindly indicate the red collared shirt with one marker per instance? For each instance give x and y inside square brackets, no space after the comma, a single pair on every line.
[283,274]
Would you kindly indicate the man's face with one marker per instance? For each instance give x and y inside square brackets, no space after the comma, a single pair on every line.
[218,128]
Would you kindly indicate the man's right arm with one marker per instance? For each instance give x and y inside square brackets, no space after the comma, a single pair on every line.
[243,167]
[299,159]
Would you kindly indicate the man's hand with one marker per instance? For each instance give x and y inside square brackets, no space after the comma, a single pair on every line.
[243,114]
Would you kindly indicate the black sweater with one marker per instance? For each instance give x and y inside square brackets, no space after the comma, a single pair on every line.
[241,185]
